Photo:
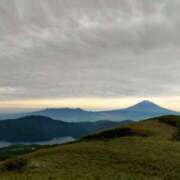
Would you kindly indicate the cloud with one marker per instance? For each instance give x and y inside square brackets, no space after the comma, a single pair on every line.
[82,48]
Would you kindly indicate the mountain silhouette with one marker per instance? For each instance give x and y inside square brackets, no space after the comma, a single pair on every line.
[143,110]
[41,128]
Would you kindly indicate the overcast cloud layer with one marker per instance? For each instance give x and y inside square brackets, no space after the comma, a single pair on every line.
[89,48]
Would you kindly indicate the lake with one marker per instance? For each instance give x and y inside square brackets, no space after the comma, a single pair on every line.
[61,140]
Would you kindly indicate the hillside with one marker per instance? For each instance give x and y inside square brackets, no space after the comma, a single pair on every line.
[147,150]
[41,128]
[140,111]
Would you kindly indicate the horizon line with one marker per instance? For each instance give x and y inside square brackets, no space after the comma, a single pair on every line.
[91,104]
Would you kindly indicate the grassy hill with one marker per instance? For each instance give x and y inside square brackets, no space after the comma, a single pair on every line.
[147,150]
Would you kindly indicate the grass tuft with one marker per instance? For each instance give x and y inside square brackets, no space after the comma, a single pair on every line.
[16,164]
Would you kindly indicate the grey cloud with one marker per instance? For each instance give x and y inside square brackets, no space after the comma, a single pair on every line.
[104,48]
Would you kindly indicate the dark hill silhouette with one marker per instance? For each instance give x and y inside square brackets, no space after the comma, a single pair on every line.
[41,128]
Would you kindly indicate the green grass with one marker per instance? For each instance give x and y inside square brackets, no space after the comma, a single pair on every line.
[11,151]
[16,150]
[139,151]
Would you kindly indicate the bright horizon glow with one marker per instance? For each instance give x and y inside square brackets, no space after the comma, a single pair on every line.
[89,103]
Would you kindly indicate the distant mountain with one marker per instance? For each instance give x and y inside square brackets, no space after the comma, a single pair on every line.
[148,106]
[40,128]
[70,115]
[140,111]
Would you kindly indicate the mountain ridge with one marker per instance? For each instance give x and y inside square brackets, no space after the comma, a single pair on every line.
[40,128]
[140,111]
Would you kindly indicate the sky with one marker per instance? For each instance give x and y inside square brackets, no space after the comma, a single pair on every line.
[89,53]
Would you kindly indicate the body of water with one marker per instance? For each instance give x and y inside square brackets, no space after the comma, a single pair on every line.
[61,140]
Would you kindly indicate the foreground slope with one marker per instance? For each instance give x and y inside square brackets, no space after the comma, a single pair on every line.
[147,150]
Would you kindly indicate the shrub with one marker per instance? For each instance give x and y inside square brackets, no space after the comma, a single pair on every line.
[118,132]
[17,164]
[170,120]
